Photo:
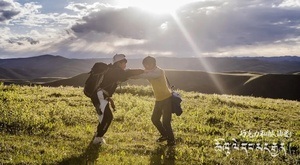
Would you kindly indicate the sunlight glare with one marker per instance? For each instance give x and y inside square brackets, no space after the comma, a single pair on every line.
[156,6]
[197,51]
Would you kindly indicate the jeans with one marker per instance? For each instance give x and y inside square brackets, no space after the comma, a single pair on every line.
[163,109]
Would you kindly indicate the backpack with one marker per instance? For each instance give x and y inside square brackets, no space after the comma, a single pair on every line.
[95,78]
[176,100]
[176,103]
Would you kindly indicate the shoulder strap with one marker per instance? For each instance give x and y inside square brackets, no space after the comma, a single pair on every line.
[101,78]
[171,87]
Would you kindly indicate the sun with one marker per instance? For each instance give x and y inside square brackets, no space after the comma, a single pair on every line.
[156,6]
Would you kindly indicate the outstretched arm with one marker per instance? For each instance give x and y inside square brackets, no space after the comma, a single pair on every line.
[133,72]
[152,74]
[119,75]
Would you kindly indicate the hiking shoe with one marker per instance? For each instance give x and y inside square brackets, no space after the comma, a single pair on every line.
[162,139]
[99,140]
[171,143]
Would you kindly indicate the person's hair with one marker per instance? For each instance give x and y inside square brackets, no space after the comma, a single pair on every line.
[149,60]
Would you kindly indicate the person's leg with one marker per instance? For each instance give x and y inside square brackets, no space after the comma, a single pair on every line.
[167,118]
[96,102]
[104,115]
[105,123]
[156,115]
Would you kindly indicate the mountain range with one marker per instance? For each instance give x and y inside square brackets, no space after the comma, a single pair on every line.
[58,66]
[269,77]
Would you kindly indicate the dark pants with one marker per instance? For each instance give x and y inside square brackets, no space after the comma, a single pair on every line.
[105,122]
[163,109]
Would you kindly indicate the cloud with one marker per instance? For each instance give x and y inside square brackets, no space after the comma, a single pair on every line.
[238,23]
[4,4]
[211,25]
[214,27]
[84,9]
[290,3]
[13,12]
[123,22]
[29,15]
[7,11]
[21,40]
[32,31]
[32,43]
[77,6]
[7,15]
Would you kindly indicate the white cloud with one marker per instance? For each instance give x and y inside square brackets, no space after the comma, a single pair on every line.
[8,10]
[211,25]
[282,49]
[290,3]
[215,27]
[33,32]
[84,8]
[4,36]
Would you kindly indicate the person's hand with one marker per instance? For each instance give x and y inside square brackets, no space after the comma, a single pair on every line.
[134,72]
[112,103]
[98,110]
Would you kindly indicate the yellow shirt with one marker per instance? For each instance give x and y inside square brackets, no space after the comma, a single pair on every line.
[157,78]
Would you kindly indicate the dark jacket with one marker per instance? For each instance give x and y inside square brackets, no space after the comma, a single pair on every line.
[111,78]
[115,75]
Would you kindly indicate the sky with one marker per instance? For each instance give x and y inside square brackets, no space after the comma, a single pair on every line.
[137,28]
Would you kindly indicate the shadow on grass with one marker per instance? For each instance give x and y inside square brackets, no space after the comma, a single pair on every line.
[163,155]
[89,156]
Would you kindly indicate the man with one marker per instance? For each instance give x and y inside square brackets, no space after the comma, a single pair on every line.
[163,104]
[115,74]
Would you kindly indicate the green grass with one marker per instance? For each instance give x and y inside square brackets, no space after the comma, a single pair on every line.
[43,125]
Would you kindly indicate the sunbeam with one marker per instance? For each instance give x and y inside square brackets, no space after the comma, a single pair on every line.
[197,51]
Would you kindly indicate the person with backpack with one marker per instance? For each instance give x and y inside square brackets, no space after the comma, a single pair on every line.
[163,100]
[102,96]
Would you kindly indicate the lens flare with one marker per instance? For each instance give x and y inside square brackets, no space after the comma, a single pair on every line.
[197,52]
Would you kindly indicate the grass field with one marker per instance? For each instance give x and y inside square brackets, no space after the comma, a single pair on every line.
[47,125]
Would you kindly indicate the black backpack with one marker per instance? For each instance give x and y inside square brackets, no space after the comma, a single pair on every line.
[93,82]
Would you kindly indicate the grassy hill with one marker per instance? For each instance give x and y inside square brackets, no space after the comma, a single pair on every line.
[282,86]
[273,86]
[47,125]
[185,80]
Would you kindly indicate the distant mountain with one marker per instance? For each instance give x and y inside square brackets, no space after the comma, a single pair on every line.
[45,66]
[278,86]
[272,77]
[7,73]
[280,65]
[57,66]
